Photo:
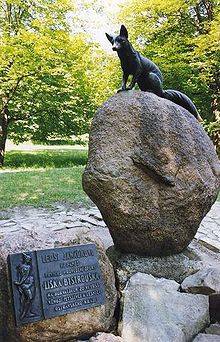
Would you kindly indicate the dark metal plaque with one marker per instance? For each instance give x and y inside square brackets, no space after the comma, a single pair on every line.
[54,282]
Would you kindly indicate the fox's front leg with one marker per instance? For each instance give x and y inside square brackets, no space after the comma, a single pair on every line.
[134,80]
[124,81]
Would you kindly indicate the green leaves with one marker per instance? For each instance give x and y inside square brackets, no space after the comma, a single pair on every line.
[48,77]
[182,37]
[52,80]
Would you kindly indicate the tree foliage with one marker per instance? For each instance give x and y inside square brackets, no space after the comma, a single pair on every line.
[53,76]
[57,101]
[182,37]
[48,75]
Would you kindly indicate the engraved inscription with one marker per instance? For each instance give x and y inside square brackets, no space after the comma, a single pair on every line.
[52,282]
[50,257]
[73,282]
[77,254]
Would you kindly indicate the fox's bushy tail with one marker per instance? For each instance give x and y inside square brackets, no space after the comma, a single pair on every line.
[182,100]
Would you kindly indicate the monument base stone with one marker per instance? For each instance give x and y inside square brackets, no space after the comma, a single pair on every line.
[176,267]
[82,323]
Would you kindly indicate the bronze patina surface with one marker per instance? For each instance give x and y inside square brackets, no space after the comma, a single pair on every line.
[52,282]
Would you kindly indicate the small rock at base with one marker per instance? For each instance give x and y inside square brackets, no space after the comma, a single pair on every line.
[66,327]
[205,282]
[104,337]
[207,338]
[213,329]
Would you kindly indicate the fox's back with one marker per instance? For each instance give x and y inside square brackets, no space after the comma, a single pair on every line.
[149,66]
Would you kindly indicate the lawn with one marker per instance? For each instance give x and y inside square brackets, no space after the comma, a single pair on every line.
[42,178]
[57,158]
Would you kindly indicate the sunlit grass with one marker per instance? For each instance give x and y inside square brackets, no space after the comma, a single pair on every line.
[42,178]
[42,187]
[56,158]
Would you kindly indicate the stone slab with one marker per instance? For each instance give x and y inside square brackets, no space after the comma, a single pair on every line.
[154,312]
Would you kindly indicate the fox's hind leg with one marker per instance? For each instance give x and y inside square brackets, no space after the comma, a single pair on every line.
[151,82]
[155,84]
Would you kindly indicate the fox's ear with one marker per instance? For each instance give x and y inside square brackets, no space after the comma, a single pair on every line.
[123,31]
[110,38]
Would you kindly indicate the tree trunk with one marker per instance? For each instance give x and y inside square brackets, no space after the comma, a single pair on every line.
[3,133]
[215,105]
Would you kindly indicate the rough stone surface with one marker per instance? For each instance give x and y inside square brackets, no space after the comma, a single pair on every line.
[204,250]
[147,279]
[206,281]
[152,171]
[62,328]
[103,337]
[209,229]
[176,267]
[154,312]
[61,217]
[206,338]
[213,329]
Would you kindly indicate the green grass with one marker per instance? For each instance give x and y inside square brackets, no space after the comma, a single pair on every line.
[42,177]
[42,187]
[55,158]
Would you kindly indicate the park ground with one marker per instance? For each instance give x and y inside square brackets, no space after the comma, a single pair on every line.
[42,176]
[41,189]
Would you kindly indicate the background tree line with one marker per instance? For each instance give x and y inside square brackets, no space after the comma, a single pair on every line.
[53,77]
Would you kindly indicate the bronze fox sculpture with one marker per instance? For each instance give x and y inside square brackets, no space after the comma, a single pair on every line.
[145,73]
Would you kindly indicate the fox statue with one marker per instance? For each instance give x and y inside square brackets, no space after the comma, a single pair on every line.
[145,73]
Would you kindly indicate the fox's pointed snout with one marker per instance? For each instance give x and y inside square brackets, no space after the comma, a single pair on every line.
[116,46]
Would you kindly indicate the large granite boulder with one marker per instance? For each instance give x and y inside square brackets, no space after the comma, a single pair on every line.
[84,323]
[152,171]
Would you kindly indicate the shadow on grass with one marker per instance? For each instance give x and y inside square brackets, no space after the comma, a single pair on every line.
[46,158]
